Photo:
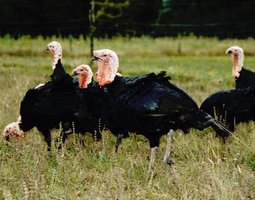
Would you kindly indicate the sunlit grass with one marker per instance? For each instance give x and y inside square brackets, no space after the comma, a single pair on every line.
[205,167]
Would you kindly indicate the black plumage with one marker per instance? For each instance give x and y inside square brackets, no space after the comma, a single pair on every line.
[46,106]
[61,100]
[234,106]
[245,80]
[87,118]
[231,106]
[150,105]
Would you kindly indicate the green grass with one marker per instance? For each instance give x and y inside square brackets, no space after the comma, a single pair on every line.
[204,168]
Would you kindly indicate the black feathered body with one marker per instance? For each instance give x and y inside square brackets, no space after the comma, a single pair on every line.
[45,106]
[246,79]
[231,106]
[61,100]
[92,101]
[150,105]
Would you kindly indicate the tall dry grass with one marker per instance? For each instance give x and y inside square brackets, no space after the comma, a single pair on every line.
[204,168]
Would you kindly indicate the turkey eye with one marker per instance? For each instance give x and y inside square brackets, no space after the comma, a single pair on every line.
[105,55]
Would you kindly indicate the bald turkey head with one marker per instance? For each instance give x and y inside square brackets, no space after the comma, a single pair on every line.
[84,74]
[108,64]
[13,130]
[55,49]
[237,57]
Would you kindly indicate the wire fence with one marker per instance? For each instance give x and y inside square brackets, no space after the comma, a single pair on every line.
[111,27]
[102,28]
[238,29]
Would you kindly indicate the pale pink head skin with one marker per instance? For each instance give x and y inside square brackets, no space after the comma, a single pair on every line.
[108,64]
[237,56]
[13,130]
[55,49]
[84,74]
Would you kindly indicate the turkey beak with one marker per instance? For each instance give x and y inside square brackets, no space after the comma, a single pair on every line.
[75,73]
[95,58]
[7,138]
[229,52]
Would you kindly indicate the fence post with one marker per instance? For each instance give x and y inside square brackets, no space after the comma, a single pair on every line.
[92,26]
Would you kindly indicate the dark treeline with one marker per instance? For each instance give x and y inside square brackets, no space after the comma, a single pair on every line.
[44,17]
[221,18]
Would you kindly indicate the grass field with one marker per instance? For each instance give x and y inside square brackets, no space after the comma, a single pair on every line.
[204,168]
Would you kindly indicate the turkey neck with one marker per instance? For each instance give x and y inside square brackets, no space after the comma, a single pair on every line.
[237,65]
[55,59]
